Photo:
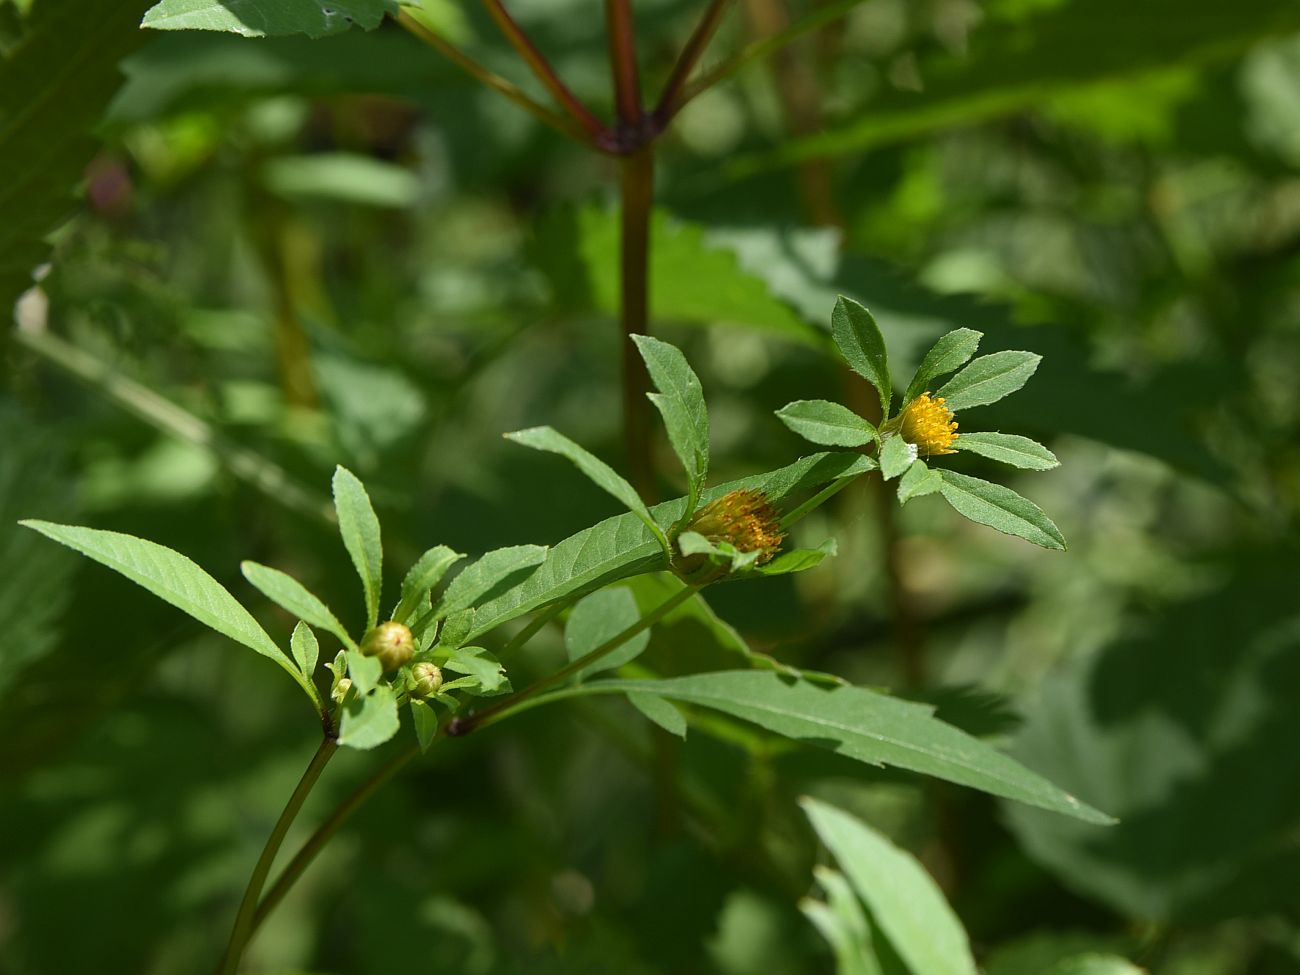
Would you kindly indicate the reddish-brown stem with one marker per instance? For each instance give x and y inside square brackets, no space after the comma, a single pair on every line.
[637,195]
[622,60]
[527,50]
[673,98]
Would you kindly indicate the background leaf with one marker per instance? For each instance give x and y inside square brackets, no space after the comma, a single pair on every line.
[268,18]
[598,618]
[371,720]
[660,712]
[905,902]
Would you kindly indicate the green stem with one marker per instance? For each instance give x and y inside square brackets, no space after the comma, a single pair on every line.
[817,500]
[463,726]
[243,928]
[325,832]
[636,197]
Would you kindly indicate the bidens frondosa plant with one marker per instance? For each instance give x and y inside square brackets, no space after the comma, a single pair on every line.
[405,659]
[925,424]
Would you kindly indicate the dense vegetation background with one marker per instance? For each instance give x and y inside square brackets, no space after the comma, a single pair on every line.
[292,253]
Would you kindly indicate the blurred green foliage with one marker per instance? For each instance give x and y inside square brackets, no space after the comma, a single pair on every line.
[342,251]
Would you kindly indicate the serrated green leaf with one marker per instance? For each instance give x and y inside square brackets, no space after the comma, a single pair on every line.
[1001,508]
[306,651]
[427,572]
[600,473]
[917,482]
[797,560]
[622,546]
[1008,448]
[456,629]
[364,671]
[660,712]
[680,401]
[988,379]
[426,723]
[863,347]
[286,591]
[490,575]
[359,528]
[170,576]
[864,725]
[598,618]
[268,18]
[476,662]
[827,423]
[896,457]
[949,353]
[371,720]
[904,901]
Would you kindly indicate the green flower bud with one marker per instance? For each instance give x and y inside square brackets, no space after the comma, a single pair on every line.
[341,688]
[391,642]
[426,678]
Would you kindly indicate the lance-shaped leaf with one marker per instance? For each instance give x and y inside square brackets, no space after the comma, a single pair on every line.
[1008,448]
[425,721]
[660,712]
[797,560]
[596,620]
[951,352]
[427,572]
[842,922]
[827,423]
[604,476]
[988,379]
[905,902]
[292,595]
[1001,508]
[370,720]
[173,577]
[858,336]
[268,18]
[864,725]
[622,546]
[680,401]
[306,650]
[492,574]
[360,530]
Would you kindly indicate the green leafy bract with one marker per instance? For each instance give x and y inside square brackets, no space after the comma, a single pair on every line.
[268,18]
[905,902]
[863,347]
[988,379]
[918,481]
[370,720]
[1001,508]
[305,648]
[292,595]
[360,530]
[864,725]
[1008,448]
[951,352]
[896,457]
[680,401]
[826,423]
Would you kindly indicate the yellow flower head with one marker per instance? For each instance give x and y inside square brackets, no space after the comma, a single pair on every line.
[928,425]
[745,518]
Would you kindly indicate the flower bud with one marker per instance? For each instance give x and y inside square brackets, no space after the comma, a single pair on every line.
[744,519]
[391,642]
[426,678]
[341,688]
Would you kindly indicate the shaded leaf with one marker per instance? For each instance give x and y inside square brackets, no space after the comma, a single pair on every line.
[863,347]
[660,712]
[918,482]
[477,663]
[427,572]
[492,572]
[843,924]
[425,722]
[364,671]
[268,18]
[599,618]
[371,720]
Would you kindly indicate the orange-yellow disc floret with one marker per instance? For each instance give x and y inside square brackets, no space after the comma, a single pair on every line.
[745,518]
[928,425]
